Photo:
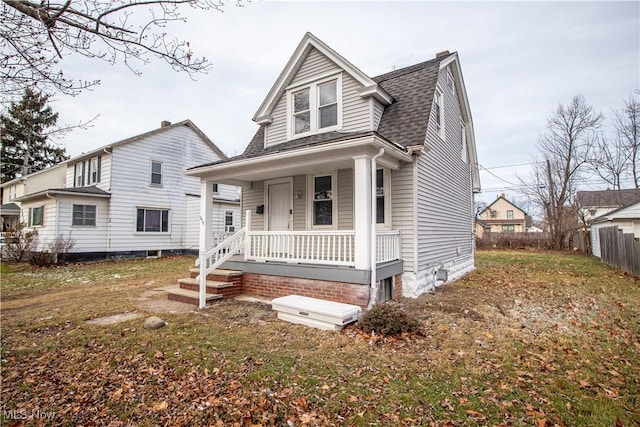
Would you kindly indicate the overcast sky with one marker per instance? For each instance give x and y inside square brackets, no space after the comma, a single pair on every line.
[520,60]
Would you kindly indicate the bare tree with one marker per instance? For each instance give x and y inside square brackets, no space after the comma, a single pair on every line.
[35,36]
[627,124]
[565,149]
[611,159]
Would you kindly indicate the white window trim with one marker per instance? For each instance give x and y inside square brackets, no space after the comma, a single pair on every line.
[151,183]
[83,225]
[439,95]
[386,184]
[30,217]
[463,136]
[313,106]
[334,199]
[151,233]
[78,176]
[228,213]
[93,169]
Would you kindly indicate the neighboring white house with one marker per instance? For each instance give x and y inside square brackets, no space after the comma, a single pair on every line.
[594,204]
[626,218]
[54,176]
[131,198]
[355,188]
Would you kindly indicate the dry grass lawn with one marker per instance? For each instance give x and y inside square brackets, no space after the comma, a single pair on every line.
[527,339]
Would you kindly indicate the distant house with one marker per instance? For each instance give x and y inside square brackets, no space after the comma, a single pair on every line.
[130,198]
[504,216]
[355,188]
[54,176]
[594,204]
[626,218]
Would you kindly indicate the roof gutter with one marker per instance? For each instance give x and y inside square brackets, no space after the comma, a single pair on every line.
[376,141]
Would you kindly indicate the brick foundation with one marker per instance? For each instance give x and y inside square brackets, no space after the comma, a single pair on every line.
[279,286]
[397,287]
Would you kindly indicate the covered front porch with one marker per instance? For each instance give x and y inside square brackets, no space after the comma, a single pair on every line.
[326,205]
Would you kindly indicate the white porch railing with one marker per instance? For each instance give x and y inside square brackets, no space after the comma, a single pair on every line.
[222,251]
[332,247]
[387,245]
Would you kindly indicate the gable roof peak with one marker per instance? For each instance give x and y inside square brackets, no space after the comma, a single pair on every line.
[309,41]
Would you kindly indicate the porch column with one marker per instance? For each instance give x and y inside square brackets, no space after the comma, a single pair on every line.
[362,211]
[206,235]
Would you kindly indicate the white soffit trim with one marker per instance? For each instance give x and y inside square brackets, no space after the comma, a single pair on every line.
[310,41]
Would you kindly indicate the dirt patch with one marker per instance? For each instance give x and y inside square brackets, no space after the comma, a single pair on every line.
[155,301]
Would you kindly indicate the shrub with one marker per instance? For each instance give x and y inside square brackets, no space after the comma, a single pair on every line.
[387,319]
[55,252]
[20,243]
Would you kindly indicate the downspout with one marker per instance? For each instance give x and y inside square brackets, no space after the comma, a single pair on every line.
[373,289]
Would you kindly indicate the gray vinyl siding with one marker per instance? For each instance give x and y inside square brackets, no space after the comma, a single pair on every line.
[356,114]
[378,109]
[251,198]
[444,197]
[300,204]
[345,199]
[402,211]
[314,64]
[355,109]
[177,148]
[255,196]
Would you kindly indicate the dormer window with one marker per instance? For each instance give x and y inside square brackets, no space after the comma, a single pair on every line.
[314,107]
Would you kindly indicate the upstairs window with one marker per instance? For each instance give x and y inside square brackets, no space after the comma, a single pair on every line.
[463,138]
[510,214]
[438,107]
[156,173]
[328,105]
[301,112]
[79,174]
[214,188]
[94,170]
[314,107]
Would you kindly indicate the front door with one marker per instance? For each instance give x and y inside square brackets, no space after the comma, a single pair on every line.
[279,200]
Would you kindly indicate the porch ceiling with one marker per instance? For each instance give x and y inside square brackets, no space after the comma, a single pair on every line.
[300,162]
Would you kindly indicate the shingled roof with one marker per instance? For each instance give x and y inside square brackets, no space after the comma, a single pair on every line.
[81,191]
[404,122]
[608,198]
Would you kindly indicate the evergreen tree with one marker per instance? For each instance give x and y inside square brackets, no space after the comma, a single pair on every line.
[24,133]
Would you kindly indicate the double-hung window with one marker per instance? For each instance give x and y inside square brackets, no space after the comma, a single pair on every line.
[79,174]
[438,106]
[94,170]
[228,222]
[382,196]
[84,215]
[152,220]
[323,201]
[36,216]
[315,107]
[510,214]
[156,173]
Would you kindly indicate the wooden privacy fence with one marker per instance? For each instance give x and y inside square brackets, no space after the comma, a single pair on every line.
[620,250]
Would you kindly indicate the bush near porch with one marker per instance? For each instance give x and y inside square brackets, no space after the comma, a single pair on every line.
[526,339]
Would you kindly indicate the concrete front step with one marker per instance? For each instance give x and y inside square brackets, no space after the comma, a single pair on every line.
[226,289]
[189,296]
[217,272]
[194,285]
